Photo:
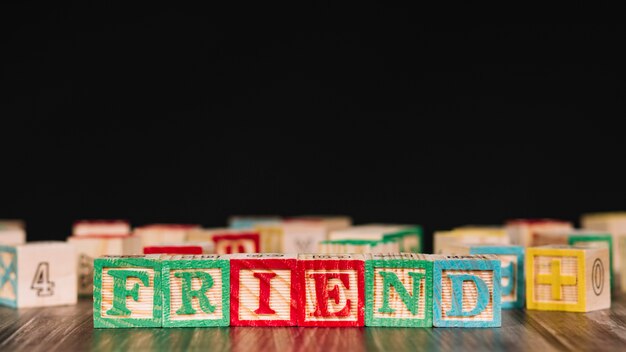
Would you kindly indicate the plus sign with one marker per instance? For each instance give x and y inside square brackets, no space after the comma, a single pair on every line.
[555,279]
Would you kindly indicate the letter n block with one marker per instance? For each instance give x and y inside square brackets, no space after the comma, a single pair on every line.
[466,291]
[399,290]
[567,278]
[196,291]
[264,289]
[244,242]
[332,290]
[127,292]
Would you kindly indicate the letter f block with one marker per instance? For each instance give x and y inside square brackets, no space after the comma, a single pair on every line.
[467,291]
[331,290]
[127,292]
[264,289]
[196,291]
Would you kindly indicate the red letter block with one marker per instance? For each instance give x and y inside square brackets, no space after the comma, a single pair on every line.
[331,290]
[263,289]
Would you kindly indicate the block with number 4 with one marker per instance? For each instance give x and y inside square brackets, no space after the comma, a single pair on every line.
[399,290]
[264,289]
[567,278]
[37,274]
[331,290]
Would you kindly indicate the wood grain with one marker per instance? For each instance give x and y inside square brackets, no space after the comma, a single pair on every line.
[70,328]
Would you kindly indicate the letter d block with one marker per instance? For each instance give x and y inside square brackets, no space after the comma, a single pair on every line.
[399,290]
[127,292]
[332,290]
[264,289]
[196,291]
[466,291]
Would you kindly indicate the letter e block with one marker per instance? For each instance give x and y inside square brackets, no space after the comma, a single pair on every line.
[399,290]
[332,290]
[127,292]
[568,278]
[466,291]
[196,291]
[264,289]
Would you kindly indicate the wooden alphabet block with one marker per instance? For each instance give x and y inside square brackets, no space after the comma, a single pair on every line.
[270,238]
[399,290]
[622,249]
[468,235]
[613,223]
[567,278]
[101,228]
[466,291]
[302,236]
[264,289]
[330,222]
[511,270]
[196,291]
[410,239]
[332,290]
[157,234]
[127,292]
[37,274]
[180,248]
[236,242]
[242,222]
[90,247]
[11,235]
[387,245]
[521,231]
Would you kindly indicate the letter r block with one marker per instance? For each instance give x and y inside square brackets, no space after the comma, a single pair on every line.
[332,290]
[127,292]
[196,291]
[264,289]
[466,291]
[399,290]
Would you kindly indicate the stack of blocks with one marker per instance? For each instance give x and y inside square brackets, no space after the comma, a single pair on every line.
[333,290]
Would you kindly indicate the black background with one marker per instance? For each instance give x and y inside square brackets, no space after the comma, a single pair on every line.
[168,116]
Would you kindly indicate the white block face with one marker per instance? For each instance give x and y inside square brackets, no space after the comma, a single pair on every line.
[46,274]
[345,294]
[117,228]
[302,239]
[12,235]
[280,295]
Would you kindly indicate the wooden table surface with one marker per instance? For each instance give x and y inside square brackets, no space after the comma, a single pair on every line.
[70,328]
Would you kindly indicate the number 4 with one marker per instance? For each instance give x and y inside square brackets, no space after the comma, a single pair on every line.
[41,281]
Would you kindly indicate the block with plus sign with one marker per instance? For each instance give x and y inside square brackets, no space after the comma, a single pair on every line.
[196,290]
[567,278]
[511,271]
[466,291]
[264,289]
[398,290]
[127,291]
[37,274]
[331,290]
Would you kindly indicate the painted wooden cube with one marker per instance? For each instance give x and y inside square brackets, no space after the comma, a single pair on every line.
[264,289]
[332,290]
[613,223]
[301,236]
[88,248]
[127,292]
[398,290]
[270,238]
[410,239]
[187,248]
[100,228]
[521,231]
[588,238]
[567,278]
[466,291]
[196,290]
[622,249]
[468,235]
[11,234]
[37,274]
[511,270]
[156,234]
[242,222]
[236,242]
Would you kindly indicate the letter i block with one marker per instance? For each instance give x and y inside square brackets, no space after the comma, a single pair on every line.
[399,290]
[264,289]
[466,291]
[332,290]
[567,278]
[196,291]
[127,292]
[37,274]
